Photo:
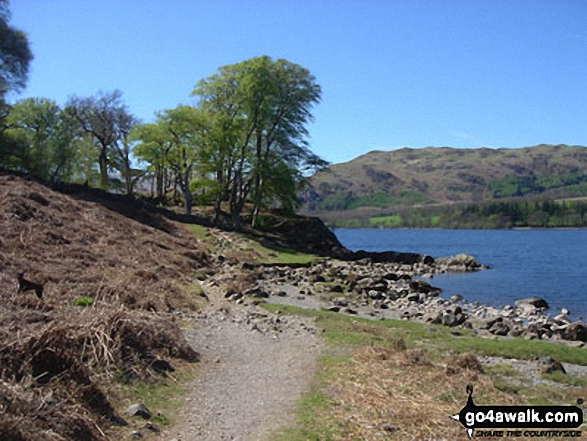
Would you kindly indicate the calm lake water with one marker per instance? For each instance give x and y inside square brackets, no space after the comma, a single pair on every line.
[551,264]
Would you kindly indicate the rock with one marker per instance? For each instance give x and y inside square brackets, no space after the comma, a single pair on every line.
[536,302]
[375,295]
[162,365]
[341,301]
[414,297]
[562,319]
[257,292]
[574,332]
[456,298]
[337,289]
[460,262]
[152,427]
[424,287]
[388,428]
[449,319]
[499,328]
[138,409]
[555,366]
[432,317]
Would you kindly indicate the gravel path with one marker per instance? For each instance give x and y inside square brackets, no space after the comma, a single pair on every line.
[255,367]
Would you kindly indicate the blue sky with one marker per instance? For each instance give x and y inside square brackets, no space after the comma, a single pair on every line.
[413,73]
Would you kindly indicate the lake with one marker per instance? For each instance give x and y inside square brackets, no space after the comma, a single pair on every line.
[551,264]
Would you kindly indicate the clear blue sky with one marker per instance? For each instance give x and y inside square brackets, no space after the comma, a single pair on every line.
[414,73]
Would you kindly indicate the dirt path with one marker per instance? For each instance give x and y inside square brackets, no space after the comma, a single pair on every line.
[255,367]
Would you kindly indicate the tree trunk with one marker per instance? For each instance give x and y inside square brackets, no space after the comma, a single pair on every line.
[103,162]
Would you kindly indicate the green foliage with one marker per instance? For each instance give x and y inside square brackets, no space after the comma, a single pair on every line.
[15,55]
[393,221]
[84,301]
[258,110]
[514,185]
[42,138]
[107,121]
[511,213]
[346,201]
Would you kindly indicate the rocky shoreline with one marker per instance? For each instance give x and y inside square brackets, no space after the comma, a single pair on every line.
[392,285]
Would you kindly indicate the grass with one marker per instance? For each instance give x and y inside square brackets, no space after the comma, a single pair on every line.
[254,248]
[162,396]
[396,380]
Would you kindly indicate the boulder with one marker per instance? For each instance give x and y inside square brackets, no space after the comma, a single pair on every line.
[536,302]
[138,409]
[555,366]
[574,332]
[460,262]
[432,317]
[424,288]
[499,327]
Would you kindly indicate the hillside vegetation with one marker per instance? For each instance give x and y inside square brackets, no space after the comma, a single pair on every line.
[448,187]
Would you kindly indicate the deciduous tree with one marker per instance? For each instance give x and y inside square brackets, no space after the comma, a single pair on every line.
[261,108]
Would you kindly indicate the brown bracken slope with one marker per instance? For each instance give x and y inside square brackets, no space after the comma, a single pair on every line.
[55,354]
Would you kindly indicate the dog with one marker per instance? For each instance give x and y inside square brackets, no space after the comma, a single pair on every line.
[25,285]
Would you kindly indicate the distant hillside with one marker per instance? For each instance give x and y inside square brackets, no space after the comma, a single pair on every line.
[383,182]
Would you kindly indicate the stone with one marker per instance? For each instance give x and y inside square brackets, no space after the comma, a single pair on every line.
[562,319]
[432,317]
[574,332]
[257,292]
[555,366]
[337,289]
[138,409]
[536,302]
[456,298]
[414,297]
[162,365]
[424,287]
[499,328]
[152,427]
[375,295]
[388,428]
[449,319]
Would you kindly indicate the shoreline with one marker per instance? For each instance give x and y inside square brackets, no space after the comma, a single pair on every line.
[393,290]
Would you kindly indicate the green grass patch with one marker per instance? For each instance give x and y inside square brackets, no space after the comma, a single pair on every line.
[310,424]
[162,396]
[344,330]
[344,335]
[393,221]
[84,301]
[569,380]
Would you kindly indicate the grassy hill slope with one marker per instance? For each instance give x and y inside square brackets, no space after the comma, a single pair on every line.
[379,181]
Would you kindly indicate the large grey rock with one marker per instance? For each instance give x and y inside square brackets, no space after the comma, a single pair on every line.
[460,262]
[139,409]
[574,332]
[536,302]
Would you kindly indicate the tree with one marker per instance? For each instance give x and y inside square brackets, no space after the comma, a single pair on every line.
[107,119]
[15,57]
[44,137]
[153,146]
[175,142]
[259,110]
[15,54]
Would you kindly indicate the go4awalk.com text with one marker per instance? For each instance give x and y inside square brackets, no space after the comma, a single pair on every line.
[519,421]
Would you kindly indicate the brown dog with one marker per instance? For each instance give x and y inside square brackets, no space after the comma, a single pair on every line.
[25,285]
